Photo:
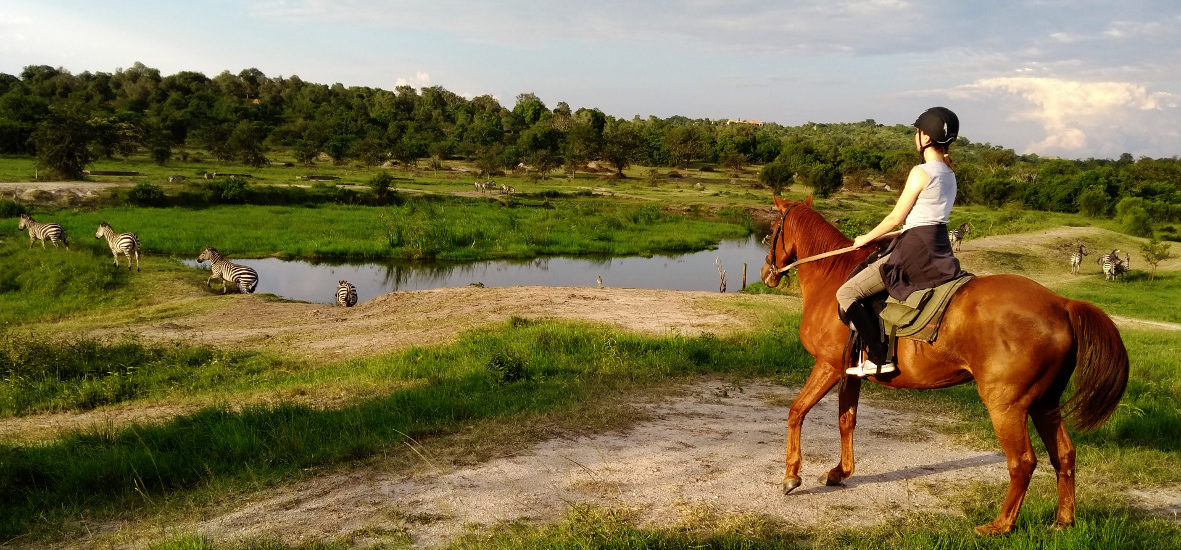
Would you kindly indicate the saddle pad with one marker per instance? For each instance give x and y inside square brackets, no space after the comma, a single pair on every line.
[919,316]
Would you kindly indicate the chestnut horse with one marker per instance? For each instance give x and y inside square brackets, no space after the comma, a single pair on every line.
[1019,341]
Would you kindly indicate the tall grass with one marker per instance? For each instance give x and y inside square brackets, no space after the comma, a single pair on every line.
[39,374]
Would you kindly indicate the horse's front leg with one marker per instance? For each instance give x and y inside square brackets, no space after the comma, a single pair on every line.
[822,379]
[848,395]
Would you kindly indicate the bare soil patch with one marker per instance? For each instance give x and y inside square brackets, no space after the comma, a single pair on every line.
[712,449]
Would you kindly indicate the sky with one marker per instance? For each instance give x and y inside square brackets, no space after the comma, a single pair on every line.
[1073,79]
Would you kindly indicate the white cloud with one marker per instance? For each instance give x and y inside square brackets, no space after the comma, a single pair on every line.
[420,80]
[1083,118]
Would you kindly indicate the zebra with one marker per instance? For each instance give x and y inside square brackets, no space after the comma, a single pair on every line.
[346,294]
[1113,266]
[956,236]
[43,231]
[127,243]
[246,278]
[1076,259]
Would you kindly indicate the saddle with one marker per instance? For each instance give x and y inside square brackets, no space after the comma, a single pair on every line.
[920,315]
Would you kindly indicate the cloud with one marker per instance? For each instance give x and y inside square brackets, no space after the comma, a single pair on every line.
[1080,118]
[420,80]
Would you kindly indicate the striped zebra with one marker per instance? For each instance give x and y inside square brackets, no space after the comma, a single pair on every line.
[956,236]
[1076,259]
[346,294]
[1113,266]
[43,232]
[244,277]
[127,243]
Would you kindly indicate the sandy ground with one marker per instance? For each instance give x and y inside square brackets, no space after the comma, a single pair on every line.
[714,449]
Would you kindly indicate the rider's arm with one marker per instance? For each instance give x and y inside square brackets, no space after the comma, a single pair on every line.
[915,183]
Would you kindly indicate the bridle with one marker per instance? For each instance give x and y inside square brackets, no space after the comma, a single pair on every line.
[780,237]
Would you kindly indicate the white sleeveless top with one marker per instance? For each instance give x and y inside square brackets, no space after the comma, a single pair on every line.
[934,204]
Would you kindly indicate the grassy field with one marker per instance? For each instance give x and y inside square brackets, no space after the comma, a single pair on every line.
[501,380]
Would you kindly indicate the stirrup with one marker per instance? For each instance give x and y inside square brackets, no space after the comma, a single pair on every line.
[869,368]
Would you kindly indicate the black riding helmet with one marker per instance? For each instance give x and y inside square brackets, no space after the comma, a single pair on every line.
[939,123]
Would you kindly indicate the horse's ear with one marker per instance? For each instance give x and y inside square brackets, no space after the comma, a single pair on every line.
[808,201]
[781,204]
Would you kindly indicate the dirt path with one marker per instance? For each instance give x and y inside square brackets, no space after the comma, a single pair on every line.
[711,450]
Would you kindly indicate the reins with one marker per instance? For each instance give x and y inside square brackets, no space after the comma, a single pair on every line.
[828,254]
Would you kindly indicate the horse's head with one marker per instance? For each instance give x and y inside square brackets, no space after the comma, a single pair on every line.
[782,246]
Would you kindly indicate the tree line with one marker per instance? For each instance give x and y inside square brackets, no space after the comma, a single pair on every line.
[68,121]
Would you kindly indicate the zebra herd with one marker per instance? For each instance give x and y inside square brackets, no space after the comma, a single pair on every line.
[244,278]
[489,186]
[120,243]
[1111,264]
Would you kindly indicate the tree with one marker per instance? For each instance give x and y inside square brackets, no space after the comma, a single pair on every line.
[776,175]
[685,144]
[1093,202]
[622,145]
[62,142]
[1155,252]
[824,179]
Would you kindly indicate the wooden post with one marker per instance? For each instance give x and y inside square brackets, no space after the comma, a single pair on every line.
[743,275]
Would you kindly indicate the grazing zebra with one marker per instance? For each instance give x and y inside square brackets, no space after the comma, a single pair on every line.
[127,243]
[1113,266]
[346,294]
[956,236]
[1076,259]
[43,231]
[229,272]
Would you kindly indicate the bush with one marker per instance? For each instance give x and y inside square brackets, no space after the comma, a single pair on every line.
[380,183]
[226,190]
[776,175]
[146,194]
[1093,202]
[10,208]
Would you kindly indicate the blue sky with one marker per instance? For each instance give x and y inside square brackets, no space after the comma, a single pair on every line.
[1074,79]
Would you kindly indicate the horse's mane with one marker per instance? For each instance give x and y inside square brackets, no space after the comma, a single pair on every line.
[822,236]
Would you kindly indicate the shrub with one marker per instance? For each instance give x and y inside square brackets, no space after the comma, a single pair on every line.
[146,194]
[226,190]
[10,208]
[776,175]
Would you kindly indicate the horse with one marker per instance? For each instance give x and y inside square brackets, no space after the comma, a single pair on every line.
[1019,341]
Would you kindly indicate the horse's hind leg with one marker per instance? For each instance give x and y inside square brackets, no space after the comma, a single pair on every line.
[847,396]
[1061,450]
[822,379]
[1008,420]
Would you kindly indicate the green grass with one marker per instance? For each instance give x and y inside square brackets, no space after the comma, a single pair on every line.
[41,375]
[1133,296]
[421,228]
[551,367]
[1100,527]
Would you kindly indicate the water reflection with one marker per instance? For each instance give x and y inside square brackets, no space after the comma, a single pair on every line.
[316,282]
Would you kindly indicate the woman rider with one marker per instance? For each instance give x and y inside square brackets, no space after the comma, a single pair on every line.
[921,257]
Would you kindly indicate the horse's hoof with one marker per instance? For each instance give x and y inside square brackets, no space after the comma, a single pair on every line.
[789,484]
[1060,525]
[831,480]
[989,530]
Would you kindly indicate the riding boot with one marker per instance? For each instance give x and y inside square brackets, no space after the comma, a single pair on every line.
[865,323]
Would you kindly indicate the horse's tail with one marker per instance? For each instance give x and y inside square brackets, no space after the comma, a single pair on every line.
[1101,368]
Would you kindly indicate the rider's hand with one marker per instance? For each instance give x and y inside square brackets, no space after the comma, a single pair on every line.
[861,241]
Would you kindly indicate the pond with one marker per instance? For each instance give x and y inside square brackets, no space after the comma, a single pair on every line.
[316,282]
